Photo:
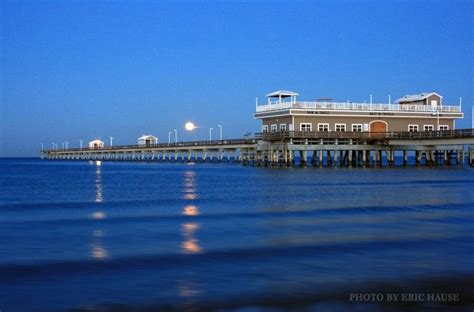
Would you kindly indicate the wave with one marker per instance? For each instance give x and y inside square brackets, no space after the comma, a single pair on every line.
[373,210]
[13,272]
[91,204]
[334,297]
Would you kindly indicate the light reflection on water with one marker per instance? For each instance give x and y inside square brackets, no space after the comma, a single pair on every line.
[98,251]
[187,288]
[99,198]
[190,243]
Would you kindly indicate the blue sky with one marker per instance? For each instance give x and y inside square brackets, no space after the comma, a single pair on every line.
[75,70]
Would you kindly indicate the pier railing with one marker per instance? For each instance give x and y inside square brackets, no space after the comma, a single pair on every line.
[173,145]
[420,135]
[283,136]
[358,107]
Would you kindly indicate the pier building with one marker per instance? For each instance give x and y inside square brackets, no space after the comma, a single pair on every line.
[147,140]
[96,144]
[411,113]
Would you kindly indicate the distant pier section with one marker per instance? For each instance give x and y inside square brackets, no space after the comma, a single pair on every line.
[288,148]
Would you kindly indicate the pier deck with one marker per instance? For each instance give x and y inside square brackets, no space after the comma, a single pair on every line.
[292,147]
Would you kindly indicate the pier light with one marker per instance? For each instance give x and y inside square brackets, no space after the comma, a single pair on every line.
[175,135]
[210,133]
[169,137]
[220,131]
[190,126]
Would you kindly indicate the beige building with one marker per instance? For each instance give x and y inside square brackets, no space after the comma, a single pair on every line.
[95,144]
[420,112]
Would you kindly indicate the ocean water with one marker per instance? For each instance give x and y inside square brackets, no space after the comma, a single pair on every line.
[112,236]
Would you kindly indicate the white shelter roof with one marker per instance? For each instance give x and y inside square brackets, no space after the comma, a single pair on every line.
[97,141]
[282,93]
[417,97]
[147,136]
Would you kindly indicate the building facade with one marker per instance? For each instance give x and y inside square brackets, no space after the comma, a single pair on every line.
[420,112]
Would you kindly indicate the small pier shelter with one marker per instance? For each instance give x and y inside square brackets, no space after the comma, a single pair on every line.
[95,144]
[147,140]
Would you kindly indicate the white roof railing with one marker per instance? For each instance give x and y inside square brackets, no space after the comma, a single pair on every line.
[276,105]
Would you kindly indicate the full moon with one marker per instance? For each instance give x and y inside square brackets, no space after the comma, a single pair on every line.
[189,126]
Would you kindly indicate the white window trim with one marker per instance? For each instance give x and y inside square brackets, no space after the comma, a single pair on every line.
[417,127]
[323,124]
[340,124]
[282,127]
[265,128]
[447,127]
[358,125]
[431,126]
[273,128]
[306,124]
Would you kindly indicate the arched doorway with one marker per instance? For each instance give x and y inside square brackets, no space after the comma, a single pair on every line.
[378,126]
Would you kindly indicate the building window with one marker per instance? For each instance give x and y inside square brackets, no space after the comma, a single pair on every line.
[413,128]
[291,127]
[323,127]
[265,128]
[273,128]
[357,127]
[282,127]
[305,127]
[340,127]
[428,128]
[443,127]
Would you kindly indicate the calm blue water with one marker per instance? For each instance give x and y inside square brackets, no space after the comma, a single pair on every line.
[131,236]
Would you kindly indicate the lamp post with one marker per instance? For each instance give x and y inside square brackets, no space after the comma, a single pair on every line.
[220,131]
[80,144]
[42,146]
[210,134]
[66,144]
[175,136]
[169,136]
[111,140]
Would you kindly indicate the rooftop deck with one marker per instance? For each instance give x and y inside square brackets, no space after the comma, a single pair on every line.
[351,106]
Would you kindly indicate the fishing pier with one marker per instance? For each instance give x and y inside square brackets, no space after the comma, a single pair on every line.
[417,127]
[298,148]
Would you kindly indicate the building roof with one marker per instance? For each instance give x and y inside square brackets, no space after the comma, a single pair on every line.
[282,93]
[417,97]
[97,141]
[147,136]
